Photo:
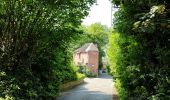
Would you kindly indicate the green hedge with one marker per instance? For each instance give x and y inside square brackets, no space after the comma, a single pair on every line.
[139,49]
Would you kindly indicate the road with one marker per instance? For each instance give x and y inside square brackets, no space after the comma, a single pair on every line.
[100,88]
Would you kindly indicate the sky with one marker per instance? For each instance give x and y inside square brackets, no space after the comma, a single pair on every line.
[99,13]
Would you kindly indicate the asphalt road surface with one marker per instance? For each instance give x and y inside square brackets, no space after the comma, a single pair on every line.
[100,88]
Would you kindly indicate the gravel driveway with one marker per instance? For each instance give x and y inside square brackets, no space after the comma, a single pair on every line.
[100,88]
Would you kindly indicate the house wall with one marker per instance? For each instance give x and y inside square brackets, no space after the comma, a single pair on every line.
[74,58]
[93,61]
[80,58]
[90,59]
[84,58]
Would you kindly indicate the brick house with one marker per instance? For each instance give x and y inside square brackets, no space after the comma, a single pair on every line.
[87,55]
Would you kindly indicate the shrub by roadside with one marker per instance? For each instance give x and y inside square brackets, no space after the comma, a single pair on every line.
[86,71]
[71,84]
[80,76]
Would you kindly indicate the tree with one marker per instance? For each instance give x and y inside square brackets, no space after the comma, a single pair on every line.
[99,35]
[34,45]
[141,63]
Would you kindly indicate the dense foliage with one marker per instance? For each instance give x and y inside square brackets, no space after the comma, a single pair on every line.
[35,43]
[140,49]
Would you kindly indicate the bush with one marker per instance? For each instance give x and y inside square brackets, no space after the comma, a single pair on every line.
[80,76]
[139,49]
[108,69]
[86,71]
[80,69]
[68,75]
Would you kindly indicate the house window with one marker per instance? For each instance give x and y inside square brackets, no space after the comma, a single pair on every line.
[79,55]
[87,64]
[83,60]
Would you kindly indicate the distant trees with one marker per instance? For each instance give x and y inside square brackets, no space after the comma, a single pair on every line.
[97,34]
[140,49]
[35,38]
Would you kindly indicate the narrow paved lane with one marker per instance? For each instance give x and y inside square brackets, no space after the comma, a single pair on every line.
[100,88]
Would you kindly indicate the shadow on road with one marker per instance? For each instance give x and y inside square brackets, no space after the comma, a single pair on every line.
[85,95]
[92,89]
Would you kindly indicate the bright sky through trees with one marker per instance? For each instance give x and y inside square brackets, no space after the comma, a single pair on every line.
[99,13]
